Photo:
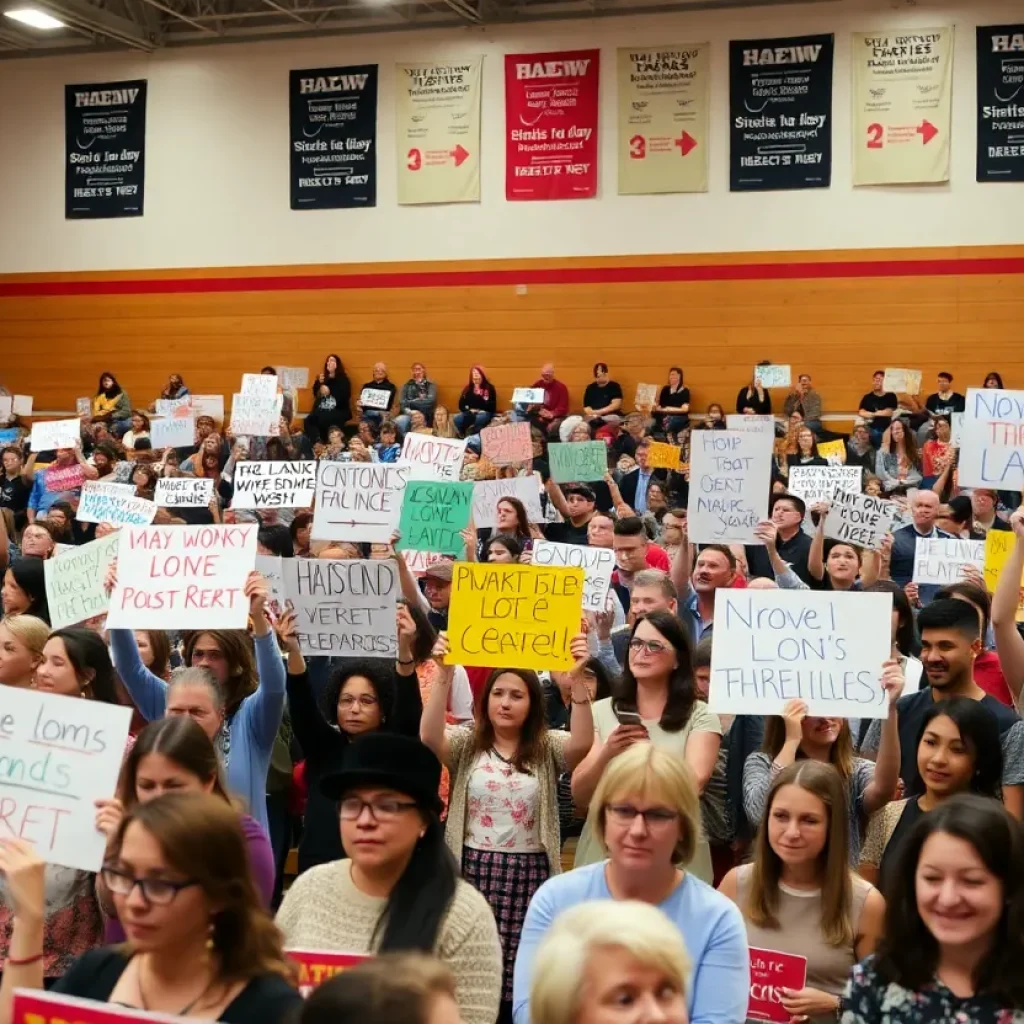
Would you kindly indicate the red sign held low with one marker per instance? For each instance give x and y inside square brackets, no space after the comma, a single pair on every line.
[770,972]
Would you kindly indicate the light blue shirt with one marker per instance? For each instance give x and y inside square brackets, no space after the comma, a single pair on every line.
[711,925]
[642,482]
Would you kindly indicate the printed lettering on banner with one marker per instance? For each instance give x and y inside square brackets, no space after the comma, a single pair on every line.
[209,405]
[437,131]
[598,564]
[74,581]
[992,440]
[771,973]
[49,435]
[173,431]
[578,461]
[343,606]
[183,577]
[274,484]
[663,119]
[83,407]
[730,482]
[60,754]
[773,376]
[664,456]
[774,646]
[174,406]
[419,560]
[37,1007]
[860,519]
[941,560]
[551,121]
[527,396]
[194,492]
[902,382]
[375,398]
[508,616]
[261,384]
[115,504]
[360,502]
[317,966]
[902,89]
[819,483]
[256,415]
[433,458]
[998,545]
[646,394]
[434,514]
[750,422]
[833,451]
[22,405]
[508,444]
[293,378]
[487,494]
[269,567]
[1000,118]
[956,426]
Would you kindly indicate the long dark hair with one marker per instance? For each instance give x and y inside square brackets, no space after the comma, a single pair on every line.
[88,654]
[682,689]
[979,732]
[426,635]
[906,635]
[534,730]
[908,953]
[236,646]
[29,574]
[373,670]
[486,387]
[116,389]
[997,377]
[339,372]
[522,516]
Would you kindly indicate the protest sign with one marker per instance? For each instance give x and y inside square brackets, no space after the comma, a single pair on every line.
[773,376]
[824,648]
[375,398]
[209,405]
[360,502]
[514,616]
[256,415]
[38,1007]
[664,456]
[317,966]
[941,560]
[183,577]
[999,51]
[293,378]
[419,560]
[646,396]
[860,519]
[188,491]
[274,484]
[902,382]
[998,545]
[578,461]
[113,503]
[83,407]
[598,564]
[7,407]
[173,432]
[771,974]
[269,567]
[343,606]
[22,405]
[48,435]
[9,435]
[434,514]
[751,423]
[730,482]
[507,444]
[60,754]
[174,406]
[956,426]
[834,451]
[487,494]
[527,396]
[74,581]
[433,458]
[819,483]
[263,385]
[992,440]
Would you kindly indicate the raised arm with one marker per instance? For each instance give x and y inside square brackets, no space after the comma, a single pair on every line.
[816,556]
[147,691]
[557,498]
[581,721]
[24,884]
[432,731]
[682,562]
[1005,601]
[408,710]
[263,709]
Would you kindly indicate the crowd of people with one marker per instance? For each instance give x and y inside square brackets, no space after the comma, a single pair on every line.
[583,846]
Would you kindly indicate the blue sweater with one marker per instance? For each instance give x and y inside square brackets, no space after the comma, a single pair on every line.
[712,929]
[252,729]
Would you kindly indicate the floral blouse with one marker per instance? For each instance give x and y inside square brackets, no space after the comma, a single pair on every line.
[869,999]
[503,807]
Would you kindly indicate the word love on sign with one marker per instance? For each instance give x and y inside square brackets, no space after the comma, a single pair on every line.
[770,972]
[47,1008]
[183,577]
[317,966]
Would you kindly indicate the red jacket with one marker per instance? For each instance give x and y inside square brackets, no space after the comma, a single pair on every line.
[556,397]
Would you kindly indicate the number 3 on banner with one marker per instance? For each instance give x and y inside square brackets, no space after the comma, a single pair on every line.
[637,147]
[875,133]
[415,160]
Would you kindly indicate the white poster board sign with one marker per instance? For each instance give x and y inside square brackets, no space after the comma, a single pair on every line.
[274,484]
[74,581]
[825,648]
[174,406]
[773,376]
[269,567]
[819,483]
[60,755]
[293,378]
[113,503]
[751,423]
[375,398]
[344,606]
[83,407]
[48,435]
[527,396]
[256,415]
[992,440]
[902,382]
[259,385]
[358,501]
[940,560]
[22,405]
[433,458]
[208,405]
[730,483]
[487,494]
[188,491]
[183,577]
[860,519]
[173,432]
[598,564]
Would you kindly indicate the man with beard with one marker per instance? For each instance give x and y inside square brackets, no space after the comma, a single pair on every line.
[715,567]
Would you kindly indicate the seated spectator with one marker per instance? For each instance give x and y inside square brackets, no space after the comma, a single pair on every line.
[477,403]
[897,463]
[936,450]
[804,398]
[878,407]
[111,405]
[984,518]
[806,453]
[378,382]
[753,399]
[943,403]
[602,397]
[859,450]
[549,414]
[672,410]
[140,428]
[443,423]
[419,394]
[332,397]
[787,513]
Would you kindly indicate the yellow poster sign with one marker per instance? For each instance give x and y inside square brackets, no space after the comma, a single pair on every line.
[832,450]
[998,545]
[514,616]
[663,456]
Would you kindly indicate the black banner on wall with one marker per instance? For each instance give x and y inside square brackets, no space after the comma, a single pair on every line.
[780,113]
[1001,103]
[105,149]
[333,137]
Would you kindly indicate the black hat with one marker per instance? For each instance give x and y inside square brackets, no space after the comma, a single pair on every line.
[393,762]
[585,492]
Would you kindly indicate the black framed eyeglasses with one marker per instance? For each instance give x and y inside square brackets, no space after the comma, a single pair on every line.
[654,817]
[155,891]
[380,810]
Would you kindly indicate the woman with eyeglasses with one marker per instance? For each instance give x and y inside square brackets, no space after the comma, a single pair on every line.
[646,815]
[200,944]
[656,702]
[399,888]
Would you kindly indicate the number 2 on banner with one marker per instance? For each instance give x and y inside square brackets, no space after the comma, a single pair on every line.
[415,160]
[875,134]
[637,147]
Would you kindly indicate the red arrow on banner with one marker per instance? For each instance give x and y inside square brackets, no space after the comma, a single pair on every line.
[459,155]
[927,131]
[686,144]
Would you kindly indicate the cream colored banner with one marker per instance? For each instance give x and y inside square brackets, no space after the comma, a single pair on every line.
[663,119]
[902,85]
[437,128]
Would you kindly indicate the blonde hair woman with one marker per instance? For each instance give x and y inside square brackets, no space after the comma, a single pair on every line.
[646,814]
[443,423]
[22,639]
[622,954]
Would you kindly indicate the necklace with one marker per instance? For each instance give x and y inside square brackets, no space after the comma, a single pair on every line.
[185,1010]
[501,757]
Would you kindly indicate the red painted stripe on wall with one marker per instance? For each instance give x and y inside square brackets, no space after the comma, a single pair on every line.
[535,276]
